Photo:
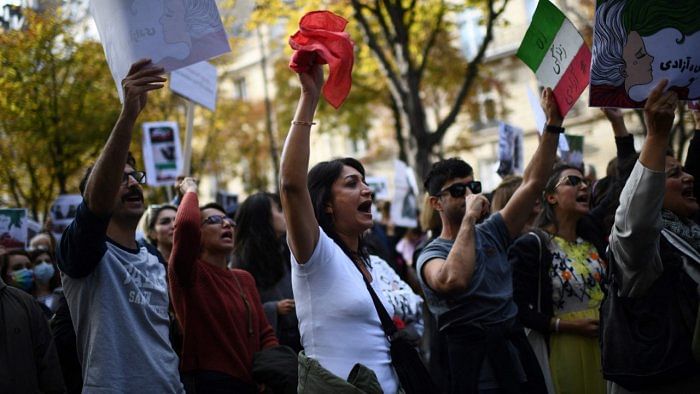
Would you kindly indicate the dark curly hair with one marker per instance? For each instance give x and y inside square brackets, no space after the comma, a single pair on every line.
[443,171]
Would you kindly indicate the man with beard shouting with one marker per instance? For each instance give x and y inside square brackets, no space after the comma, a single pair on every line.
[116,292]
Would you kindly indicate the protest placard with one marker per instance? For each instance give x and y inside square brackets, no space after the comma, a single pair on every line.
[172,33]
[379,186]
[637,43]
[13,228]
[33,228]
[229,201]
[161,153]
[556,52]
[404,205]
[510,150]
[574,156]
[63,212]
[196,83]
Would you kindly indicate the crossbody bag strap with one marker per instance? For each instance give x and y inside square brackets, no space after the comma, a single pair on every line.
[539,271]
[387,323]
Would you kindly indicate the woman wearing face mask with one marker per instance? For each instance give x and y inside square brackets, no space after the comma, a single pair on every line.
[16,270]
[557,283]
[46,279]
[261,250]
[219,309]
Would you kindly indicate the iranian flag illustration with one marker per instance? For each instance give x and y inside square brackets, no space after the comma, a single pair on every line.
[556,52]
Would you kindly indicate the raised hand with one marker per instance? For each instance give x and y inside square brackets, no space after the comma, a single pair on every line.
[549,105]
[188,185]
[660,110]
[617,120]
[613,114]
[143,77]
[312,81]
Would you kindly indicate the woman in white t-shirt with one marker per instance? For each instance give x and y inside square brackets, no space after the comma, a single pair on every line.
[326,214]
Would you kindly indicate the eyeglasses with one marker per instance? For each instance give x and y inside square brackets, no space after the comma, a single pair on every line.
[460,189]
[571,180]
[219,219]
[139,176]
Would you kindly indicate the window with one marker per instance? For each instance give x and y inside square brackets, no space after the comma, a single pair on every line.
[471,33]
[485,111]
[240,89]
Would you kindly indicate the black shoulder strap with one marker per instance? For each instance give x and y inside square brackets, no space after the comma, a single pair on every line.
[539,271]
[387,323]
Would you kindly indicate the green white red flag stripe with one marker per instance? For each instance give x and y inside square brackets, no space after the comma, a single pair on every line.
[556,52]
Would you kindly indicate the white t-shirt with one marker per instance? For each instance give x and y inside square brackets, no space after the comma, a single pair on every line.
[338,322]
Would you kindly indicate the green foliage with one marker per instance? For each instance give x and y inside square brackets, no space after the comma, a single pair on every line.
[57,108]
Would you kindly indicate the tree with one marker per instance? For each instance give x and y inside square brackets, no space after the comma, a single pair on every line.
[57,107]
[402,35]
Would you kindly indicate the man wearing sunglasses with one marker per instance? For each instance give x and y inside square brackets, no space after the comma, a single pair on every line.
[466,276]
[116,292]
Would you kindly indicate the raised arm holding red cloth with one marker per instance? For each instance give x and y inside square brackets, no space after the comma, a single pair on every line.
[321,40]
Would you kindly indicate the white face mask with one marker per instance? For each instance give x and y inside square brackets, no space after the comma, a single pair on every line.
[43,272]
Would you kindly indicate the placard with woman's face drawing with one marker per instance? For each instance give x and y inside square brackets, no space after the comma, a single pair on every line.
[637,43]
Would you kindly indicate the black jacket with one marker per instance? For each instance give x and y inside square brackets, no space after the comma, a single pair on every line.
[28,360]
[529,270]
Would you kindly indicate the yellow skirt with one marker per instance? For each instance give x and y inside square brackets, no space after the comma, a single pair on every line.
[574,360]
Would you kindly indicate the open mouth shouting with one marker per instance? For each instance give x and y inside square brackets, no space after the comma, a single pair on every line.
[366,207]
[134,196]
[227,235]
[583,198]
[687,192]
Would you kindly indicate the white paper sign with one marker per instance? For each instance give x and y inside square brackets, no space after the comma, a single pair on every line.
[196,83]
[379,186]
[33,228]
[63,212]
[161,153]
[13,228]
[541,119]
[404,206]
[172,33]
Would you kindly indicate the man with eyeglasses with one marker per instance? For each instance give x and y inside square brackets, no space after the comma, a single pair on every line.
[466,277]
[116,292]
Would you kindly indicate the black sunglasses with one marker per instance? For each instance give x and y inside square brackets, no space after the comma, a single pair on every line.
[571,180]
[219,219]
[460,189]
[139,176]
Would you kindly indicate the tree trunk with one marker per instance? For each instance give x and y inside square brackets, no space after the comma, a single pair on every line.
[398,127]
[423,164]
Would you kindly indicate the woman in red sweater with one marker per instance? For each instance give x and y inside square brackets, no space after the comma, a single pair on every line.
[219,309]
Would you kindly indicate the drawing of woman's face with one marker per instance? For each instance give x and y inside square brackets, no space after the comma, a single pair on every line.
[173,22]
[638,62]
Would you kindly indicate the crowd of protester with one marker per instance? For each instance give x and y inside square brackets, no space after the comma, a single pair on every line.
[552,283]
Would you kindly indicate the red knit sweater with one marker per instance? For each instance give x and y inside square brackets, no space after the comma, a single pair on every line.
[209,306]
